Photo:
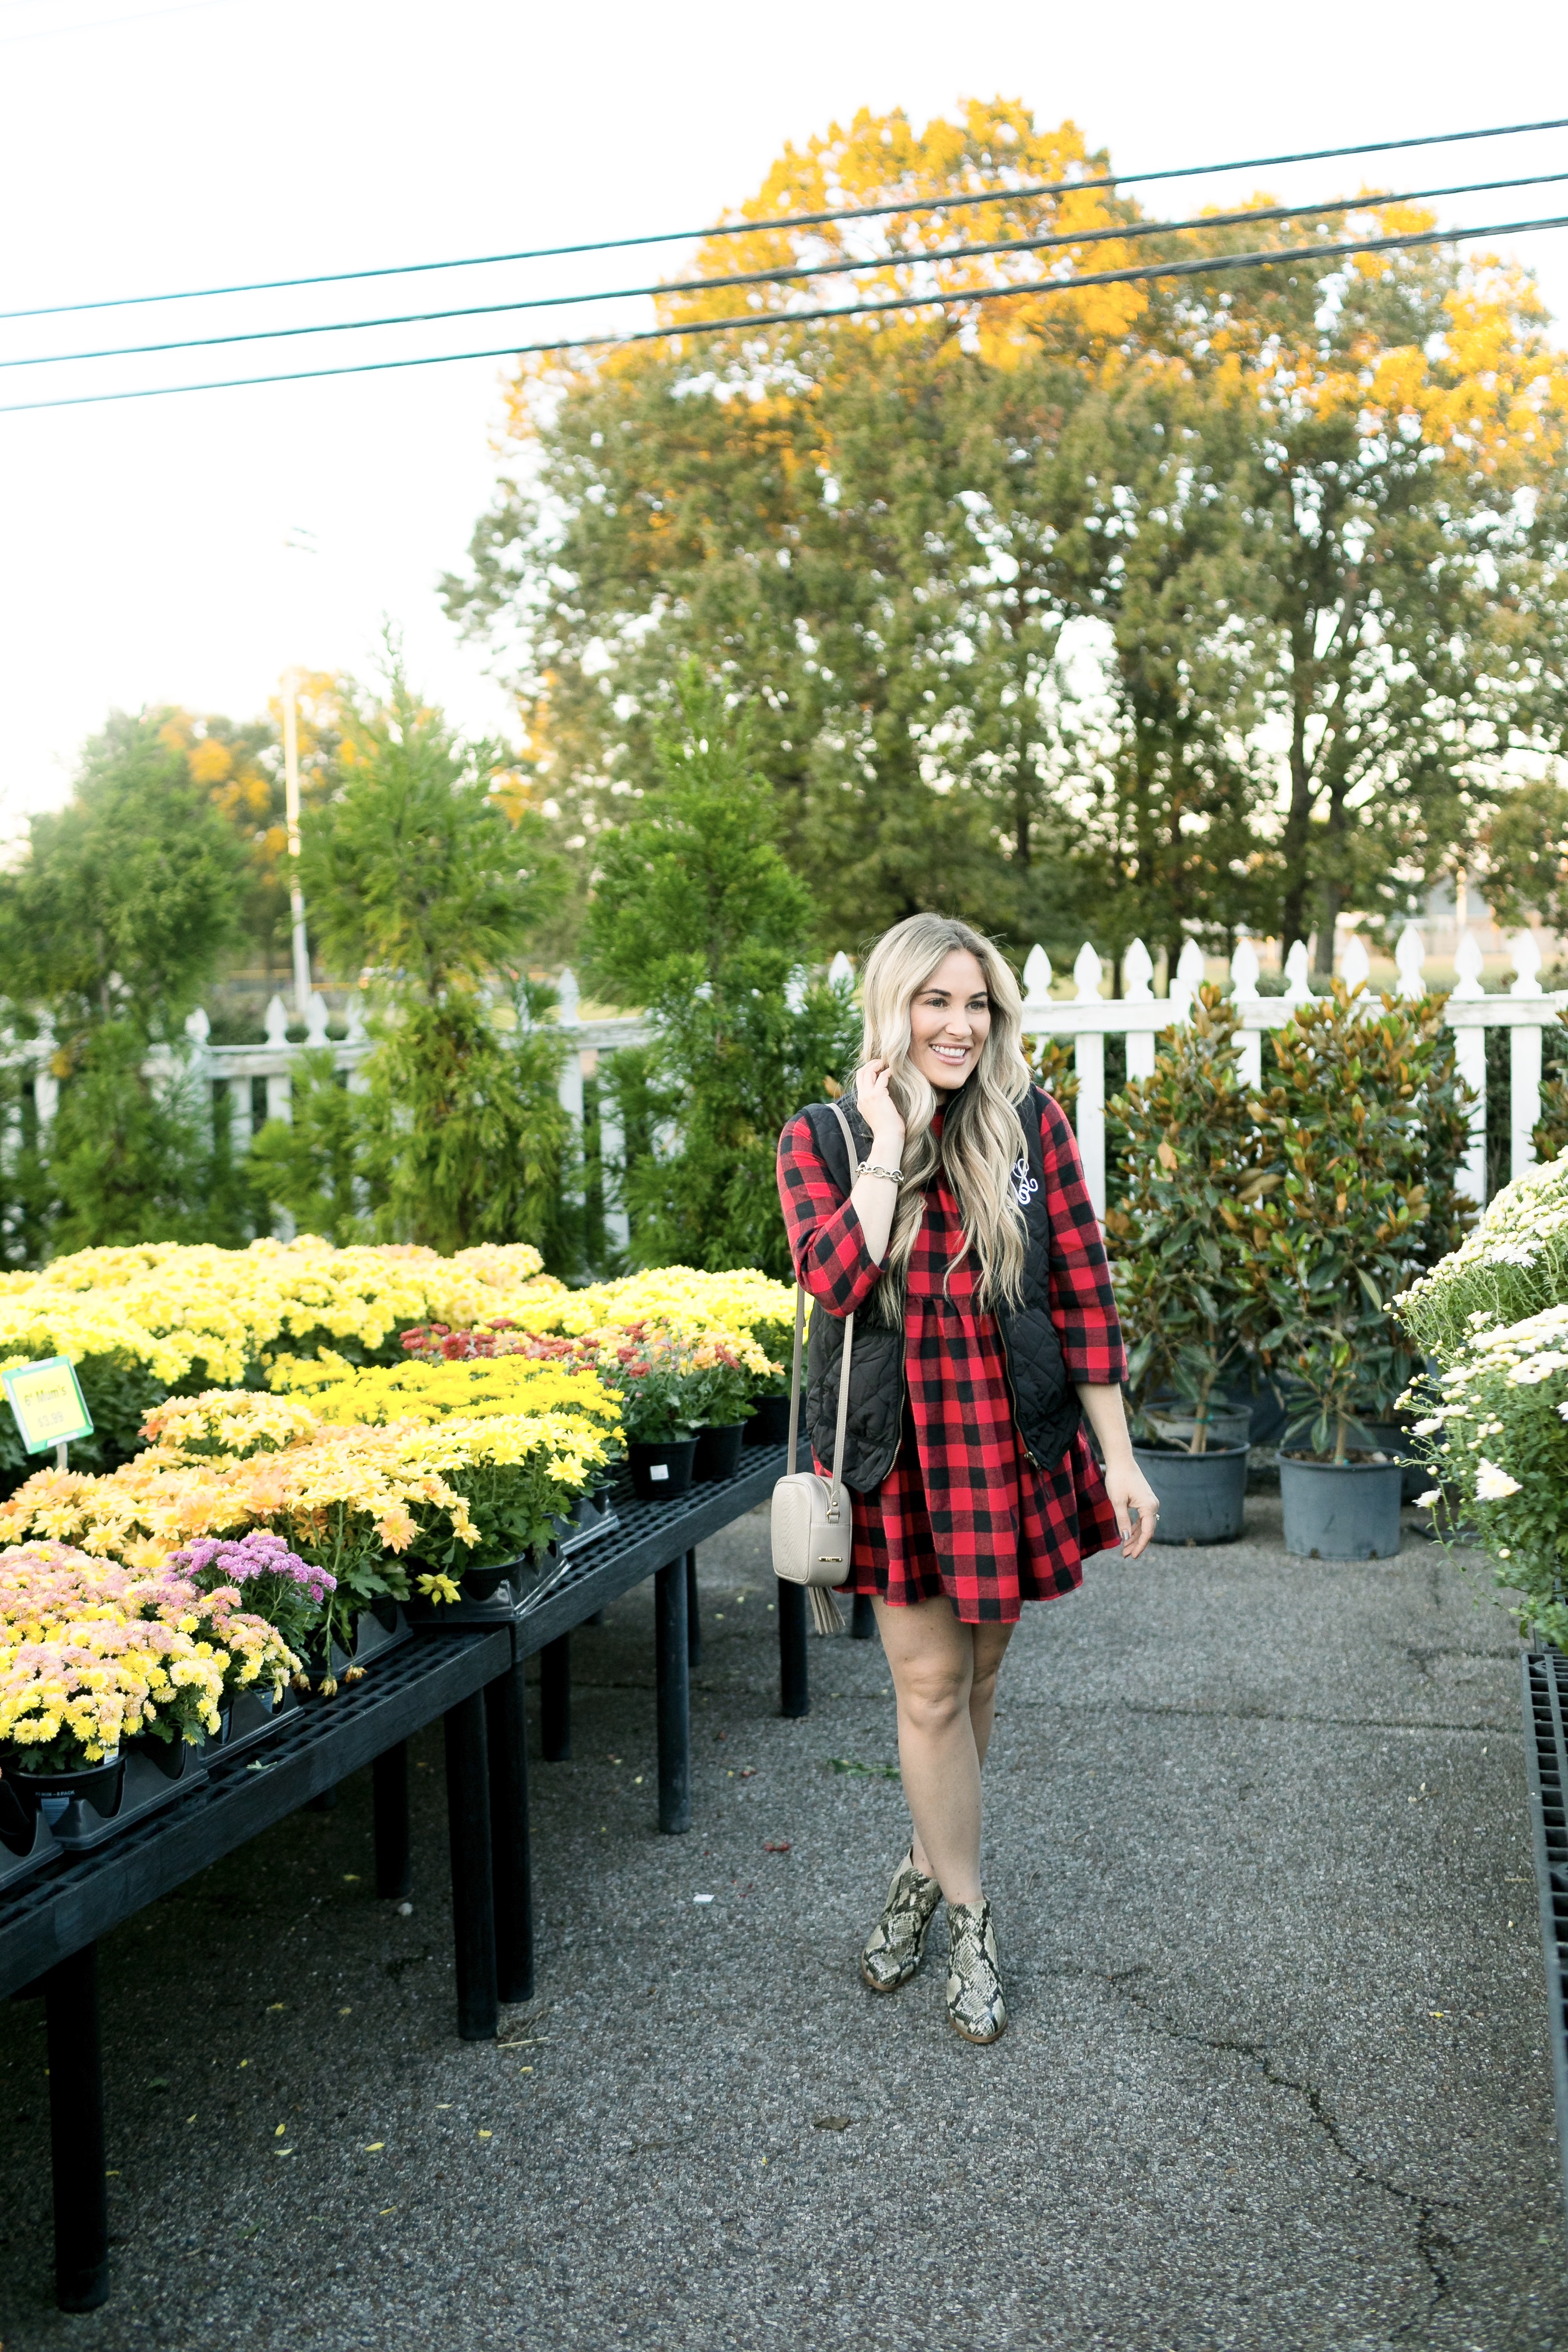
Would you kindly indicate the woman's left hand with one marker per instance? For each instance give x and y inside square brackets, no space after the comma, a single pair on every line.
[1131,1493]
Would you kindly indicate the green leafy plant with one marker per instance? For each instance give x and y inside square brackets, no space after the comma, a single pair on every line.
[776,1342]
[114,920]
[1363,1123]
[654,1379]
[697,917]
[721,1391]
[1054,1066]
[465,1138]
[1549,1134]
[418,874]
[310,1162]
[1194,1166]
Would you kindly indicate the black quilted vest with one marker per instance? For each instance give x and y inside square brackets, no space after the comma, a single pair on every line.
[1045,1403]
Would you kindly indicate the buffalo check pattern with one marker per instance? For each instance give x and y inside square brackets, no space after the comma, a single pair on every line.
[963,1511]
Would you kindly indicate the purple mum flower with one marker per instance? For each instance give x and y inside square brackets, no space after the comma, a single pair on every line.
[259,1553]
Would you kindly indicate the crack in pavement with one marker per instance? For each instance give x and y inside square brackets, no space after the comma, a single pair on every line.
[1329,1722]
[1430,2243]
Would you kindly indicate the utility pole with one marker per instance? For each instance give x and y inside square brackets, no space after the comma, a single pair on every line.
[292,810]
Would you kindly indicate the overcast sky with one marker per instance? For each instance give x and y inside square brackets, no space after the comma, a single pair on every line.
[144,555]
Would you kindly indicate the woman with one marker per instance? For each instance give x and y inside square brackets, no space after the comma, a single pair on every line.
[965,1245]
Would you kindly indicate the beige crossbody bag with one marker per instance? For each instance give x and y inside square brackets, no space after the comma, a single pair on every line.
[813,1517]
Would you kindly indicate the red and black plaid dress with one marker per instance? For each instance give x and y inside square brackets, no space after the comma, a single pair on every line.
[962,1510]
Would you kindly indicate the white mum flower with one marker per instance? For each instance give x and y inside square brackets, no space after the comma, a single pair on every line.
[1427,1428]
[1492,1485]
[1425,1502]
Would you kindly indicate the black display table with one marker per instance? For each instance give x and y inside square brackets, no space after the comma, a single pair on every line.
[470,1675]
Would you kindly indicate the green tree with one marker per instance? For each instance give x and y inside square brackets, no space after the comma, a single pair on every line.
[310,1162]
[1161,609]
[697,916]
[413,868]
[1524,848]
[418,877]
[1398,549]
[125,900]
[110,927]
[464,1139]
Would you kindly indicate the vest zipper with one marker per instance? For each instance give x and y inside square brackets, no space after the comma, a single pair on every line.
[1029,1454]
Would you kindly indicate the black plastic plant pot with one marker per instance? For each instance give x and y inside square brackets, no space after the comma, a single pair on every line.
[718,1452]
[1340,1510]
[1177,1424]
[97,1784]
[1201,1497]
[250,1715]
[769,1425]
[481,1583]
[660,1472]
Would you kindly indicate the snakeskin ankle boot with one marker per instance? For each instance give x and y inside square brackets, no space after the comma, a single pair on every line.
[975,2004]
[896,1944]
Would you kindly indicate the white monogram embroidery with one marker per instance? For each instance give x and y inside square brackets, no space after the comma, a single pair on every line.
[1024,1185]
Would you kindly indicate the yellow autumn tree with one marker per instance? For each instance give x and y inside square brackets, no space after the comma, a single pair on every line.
[1278,507]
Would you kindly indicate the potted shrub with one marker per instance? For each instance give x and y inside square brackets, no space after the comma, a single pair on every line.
[1364,1121]
[1193,1167]
[652,1372]
[721,1400]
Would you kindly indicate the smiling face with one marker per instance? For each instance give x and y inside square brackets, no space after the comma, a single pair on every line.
[950,1021]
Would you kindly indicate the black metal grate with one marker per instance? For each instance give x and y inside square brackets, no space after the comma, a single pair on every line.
[1546,1766]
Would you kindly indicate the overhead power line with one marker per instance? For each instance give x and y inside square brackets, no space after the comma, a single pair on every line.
[1123,233]
[796,220]
[1206,265]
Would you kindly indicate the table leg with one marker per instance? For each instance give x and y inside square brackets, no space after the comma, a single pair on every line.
[862,1617]
[512,1865]
[389,1800]
[76,2132]
[673,1669]
[473,1896]
[795,1693]
[693,1621]
[555,1700]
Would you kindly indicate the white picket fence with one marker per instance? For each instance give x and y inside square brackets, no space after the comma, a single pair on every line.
[1087,1017]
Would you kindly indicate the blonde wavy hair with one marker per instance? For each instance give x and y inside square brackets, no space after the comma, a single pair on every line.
[980,1141]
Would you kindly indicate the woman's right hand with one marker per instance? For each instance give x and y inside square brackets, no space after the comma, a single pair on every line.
[875,1106]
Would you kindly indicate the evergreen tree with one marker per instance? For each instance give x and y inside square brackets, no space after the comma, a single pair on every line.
[697,916]
[419,878]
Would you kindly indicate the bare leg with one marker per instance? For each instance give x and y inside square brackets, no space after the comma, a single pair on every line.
[989,1647]
[944,1673]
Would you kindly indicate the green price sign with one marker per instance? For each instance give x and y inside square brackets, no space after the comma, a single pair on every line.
[48,1403]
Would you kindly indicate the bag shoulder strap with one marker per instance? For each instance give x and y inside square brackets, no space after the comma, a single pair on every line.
[833,1500]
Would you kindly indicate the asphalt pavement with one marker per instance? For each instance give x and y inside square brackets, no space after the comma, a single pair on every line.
[1276,2074]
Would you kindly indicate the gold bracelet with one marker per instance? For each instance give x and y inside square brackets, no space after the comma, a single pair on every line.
[893,1175]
